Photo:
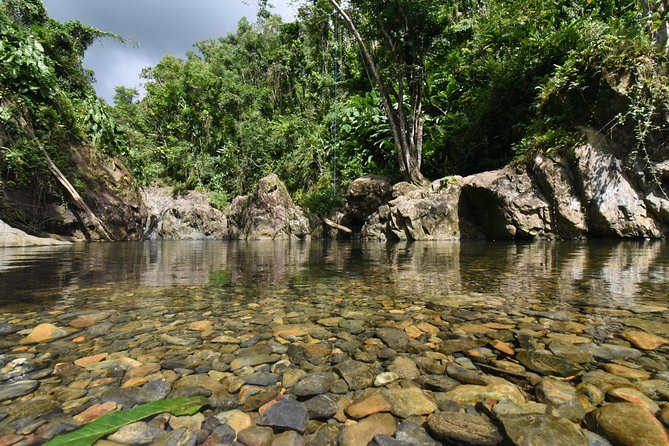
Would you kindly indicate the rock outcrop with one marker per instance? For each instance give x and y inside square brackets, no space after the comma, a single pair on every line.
[12,238]
[506,204]
[416,213]
[267,214]
[105,185]
[589,192]
[188,217]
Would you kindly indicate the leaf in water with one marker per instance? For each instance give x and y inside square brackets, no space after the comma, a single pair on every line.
[113,421]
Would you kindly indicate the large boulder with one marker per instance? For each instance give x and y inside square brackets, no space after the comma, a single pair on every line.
[267,214]
[417,213]
[187,217]
[613,206]
[555,178]
[507,204]
[12,237]
[365,195]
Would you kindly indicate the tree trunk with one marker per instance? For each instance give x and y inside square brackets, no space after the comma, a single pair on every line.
[76,199]
[406,152]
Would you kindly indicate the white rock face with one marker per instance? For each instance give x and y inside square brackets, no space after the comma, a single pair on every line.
[12,237]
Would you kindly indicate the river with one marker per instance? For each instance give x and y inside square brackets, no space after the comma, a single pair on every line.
[187,309]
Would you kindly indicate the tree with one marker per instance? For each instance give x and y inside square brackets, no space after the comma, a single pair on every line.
[395,39]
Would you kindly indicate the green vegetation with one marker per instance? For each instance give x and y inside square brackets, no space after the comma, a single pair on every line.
[113,421]
[454,87]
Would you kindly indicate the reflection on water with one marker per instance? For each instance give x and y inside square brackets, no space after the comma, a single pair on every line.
[601,273]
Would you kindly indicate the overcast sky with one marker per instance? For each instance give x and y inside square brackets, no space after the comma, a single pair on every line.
[158,26]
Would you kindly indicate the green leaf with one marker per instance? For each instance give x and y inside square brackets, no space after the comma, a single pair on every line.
[111,422]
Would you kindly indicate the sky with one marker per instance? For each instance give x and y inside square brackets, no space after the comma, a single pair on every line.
[159,27]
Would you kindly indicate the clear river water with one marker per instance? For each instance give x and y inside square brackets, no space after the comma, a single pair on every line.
[125,315]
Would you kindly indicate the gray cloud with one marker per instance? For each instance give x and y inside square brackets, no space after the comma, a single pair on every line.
[158,26]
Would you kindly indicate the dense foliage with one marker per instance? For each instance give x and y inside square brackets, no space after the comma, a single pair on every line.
[495,80]
[45,94]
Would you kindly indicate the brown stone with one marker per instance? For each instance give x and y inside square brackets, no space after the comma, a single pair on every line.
[361,433]
[413,332]
[503,347]
[95,412]
[44,333]
[88,360]
[134,382]
[626,372]
[368,405]
[142,370]
[643,340]
[628,424]
[200,326]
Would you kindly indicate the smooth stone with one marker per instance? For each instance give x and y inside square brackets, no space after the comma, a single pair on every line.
[179,437]
[357,375]
[193,422]
[404,367]
[546,364]
[321,407]
[235,419]
[623,394]
[605,381]
[439,383]
[626,372]
[570,352]
[256,436]
[386,440]
[251,361]
[200,326]
[368,405]
[463,428]
[643,340]
[288,438]
[385,378]
[315,383]
[44,333]
[469,395]
[291,377]
[138,433]
[595,439]
[393,338]
[509,408]
[95,412]
[609,352]
[154,391]
[353,326]
[627,424]
[173,340]
[223,434]
[225,339]
[17,389]
[286,414]
[465,376]
[261,379]
[561,396]
[409,402]
[414,434]
[542,430]
[451,346]
[361,433]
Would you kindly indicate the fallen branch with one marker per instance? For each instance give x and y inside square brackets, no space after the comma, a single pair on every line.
[336,226]
[76,198]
